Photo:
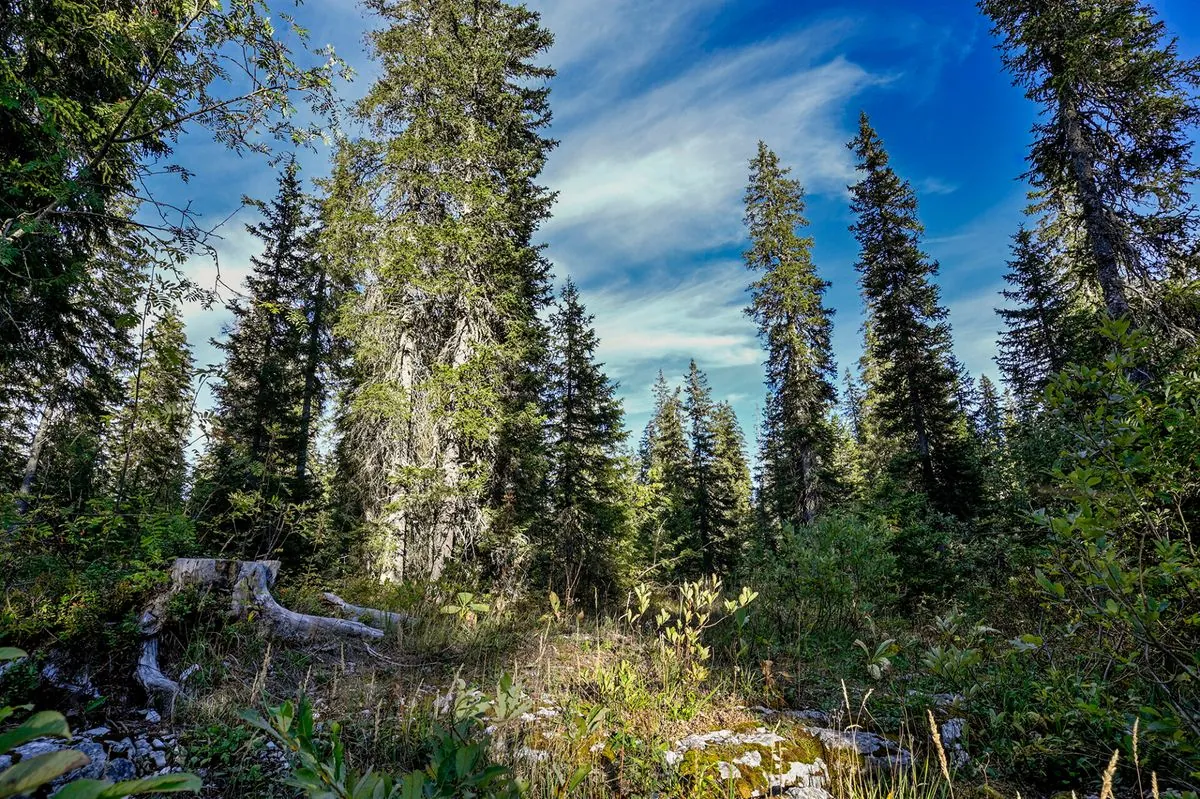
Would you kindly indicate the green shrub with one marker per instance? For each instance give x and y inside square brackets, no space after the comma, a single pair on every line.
[830,573]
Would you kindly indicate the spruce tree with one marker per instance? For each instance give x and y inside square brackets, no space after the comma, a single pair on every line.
[699,555]
[1111,158]
[436,212]
[150,433]
[1034,344]
[663,469]
[729,490]
[853,404]
[270,384]
[586,518]
[794,326]
[913,394]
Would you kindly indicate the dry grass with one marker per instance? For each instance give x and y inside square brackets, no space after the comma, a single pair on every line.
[383,695]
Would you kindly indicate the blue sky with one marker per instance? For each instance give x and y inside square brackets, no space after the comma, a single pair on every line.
[659,105]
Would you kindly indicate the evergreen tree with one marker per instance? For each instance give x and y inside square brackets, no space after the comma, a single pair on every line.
[1111,158]
[988,419]
[150,433]
[436,214]
[699,555]
[1034,345]
[794,326]
[663,468]
[913,393]
[271,383]
[730,490]
[586,517]
[97,93]
[966,392]
[853,403]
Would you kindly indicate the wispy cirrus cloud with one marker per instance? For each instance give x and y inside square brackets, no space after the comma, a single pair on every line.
[663,171]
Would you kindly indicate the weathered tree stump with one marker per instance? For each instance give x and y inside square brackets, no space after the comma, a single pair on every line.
[249,585]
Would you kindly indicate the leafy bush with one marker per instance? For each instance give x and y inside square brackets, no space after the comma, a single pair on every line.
[832,572]
[70,575]
[1124,568]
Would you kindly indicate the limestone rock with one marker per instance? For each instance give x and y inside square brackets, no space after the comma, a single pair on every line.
[875,750]
[757,762]
[120,769]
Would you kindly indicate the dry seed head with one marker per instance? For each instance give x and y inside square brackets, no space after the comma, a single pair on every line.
[1136,721]
[941,751]
[1106,789]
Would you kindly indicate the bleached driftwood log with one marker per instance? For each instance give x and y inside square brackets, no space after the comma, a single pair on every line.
[249,585]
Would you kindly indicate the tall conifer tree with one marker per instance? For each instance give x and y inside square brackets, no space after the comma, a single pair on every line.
[663,469]
[271,385]
[150,433]
[912,396]
[730,489]
[794,326]
[437,211]
[1034,344]
[698,407]
[586,518]
[1111,157]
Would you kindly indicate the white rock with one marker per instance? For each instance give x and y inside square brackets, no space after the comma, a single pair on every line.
[953,732]
[801,775]
[41,746]
[874,749]
[753,758]
[807,792]
[728,771]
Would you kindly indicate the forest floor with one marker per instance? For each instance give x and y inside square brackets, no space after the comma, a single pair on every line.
[573,705]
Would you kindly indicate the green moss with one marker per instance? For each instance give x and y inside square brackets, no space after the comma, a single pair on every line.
[702,766]
[804,748]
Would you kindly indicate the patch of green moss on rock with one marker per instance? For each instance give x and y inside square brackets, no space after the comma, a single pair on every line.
[749,768]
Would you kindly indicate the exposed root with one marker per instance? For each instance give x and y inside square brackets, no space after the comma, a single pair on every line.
[379,618]
[249,585]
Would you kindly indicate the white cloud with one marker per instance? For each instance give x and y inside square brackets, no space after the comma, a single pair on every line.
[663,172]
[976,327]
[935,185]
[700,316]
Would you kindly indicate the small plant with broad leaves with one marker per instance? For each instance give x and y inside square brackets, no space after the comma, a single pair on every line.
[879,657]
[682,651]
[32,773]
[458,765]
[466,608]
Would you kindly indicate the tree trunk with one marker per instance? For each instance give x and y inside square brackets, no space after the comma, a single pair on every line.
[35,454]
[1103,239]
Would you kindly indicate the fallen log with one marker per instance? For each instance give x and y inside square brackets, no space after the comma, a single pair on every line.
[249,585]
